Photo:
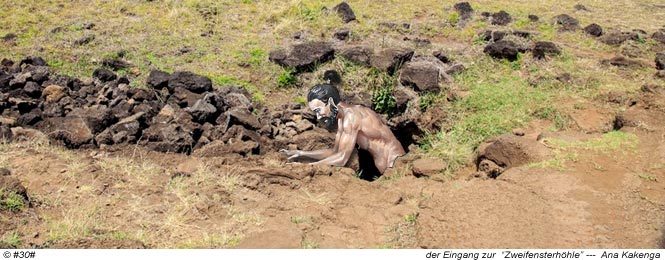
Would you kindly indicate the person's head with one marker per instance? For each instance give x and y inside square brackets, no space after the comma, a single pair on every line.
[322,99]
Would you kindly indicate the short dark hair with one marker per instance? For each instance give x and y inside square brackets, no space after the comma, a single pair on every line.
[323,92]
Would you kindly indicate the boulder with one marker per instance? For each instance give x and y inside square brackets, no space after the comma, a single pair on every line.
[566,22]
[428,167]
[503,49]
[29,119]
[39,74]
[158,79]
[172,137]
[36,61]
[501,18]
[104,75]
[183,97]
[71,131]
[202,111]
[441,56]
[238,116]
[97,117]
[32,89]
[391,59]
[239,100]
[422,76]
[303,57]
[345,12]
[358,54]
[465,12]
[594,30]
[189,81]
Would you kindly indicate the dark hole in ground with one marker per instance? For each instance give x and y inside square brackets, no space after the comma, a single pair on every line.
[366,168]
[405,134]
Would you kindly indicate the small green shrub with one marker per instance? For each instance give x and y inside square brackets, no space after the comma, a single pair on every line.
[287,79]
[12,201]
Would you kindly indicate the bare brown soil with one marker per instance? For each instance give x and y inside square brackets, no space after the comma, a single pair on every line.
[601,199]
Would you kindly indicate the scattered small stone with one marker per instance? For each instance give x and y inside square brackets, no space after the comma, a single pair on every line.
[660,61]
[455,69]
[580,7]
[465,12]
[441,56]
[518,132]
[53,93]
[422,76]
[359,54]
[304,56]
[542,48]
[115,64]
[9,37]
[533,18]
[503,49]
[85,40]
[567,22]
[389,60]
[104,75]
[593,30]
[342,34]
[659,36]
[501,18]
[345,12]
[428,167]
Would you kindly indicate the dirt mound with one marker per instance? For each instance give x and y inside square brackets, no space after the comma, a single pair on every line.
[508,151]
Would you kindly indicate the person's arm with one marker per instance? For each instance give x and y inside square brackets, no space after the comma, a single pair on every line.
[345,143]
[316,154]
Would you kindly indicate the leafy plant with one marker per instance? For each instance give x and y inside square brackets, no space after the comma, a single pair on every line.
[453,18]
[411,218]
[287,79]
[13,239]
[12,201]
[256,56]
[383,100]
[427,100]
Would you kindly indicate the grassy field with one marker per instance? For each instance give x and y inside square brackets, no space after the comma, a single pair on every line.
[229,41]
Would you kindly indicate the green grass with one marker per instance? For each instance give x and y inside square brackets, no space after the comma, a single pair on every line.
[11,201]
[411,218]
[13,239]
[287,79]
[610,142]
[500,100]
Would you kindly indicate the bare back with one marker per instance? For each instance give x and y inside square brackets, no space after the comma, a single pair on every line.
[374,136]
